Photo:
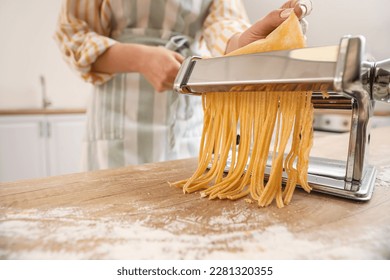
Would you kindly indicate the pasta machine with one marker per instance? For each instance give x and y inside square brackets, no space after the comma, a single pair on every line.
[351,83]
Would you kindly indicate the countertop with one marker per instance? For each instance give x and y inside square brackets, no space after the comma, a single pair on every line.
[41,111]
[133,213]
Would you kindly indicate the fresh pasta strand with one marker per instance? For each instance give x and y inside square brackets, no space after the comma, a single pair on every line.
[264,120]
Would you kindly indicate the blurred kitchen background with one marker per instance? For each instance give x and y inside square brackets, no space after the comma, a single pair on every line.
[33,76]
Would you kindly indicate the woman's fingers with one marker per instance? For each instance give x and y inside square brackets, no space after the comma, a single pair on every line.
[162,68]
[263,27]
[301,8]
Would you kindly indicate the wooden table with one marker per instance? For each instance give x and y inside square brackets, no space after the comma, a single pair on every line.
[41,111]
[132,213]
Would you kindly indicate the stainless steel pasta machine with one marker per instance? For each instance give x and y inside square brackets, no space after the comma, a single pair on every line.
[351,82]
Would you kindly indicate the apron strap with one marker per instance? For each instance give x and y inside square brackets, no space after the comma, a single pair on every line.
[180,44]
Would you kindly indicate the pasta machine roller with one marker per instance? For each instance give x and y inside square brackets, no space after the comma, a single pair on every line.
[351,83]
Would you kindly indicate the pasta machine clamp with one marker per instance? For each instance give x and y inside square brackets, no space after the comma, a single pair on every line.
[351,83]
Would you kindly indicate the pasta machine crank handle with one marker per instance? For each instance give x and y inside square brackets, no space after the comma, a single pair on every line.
[379,79]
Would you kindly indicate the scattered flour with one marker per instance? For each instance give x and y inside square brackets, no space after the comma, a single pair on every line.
[384,173]
[68,233]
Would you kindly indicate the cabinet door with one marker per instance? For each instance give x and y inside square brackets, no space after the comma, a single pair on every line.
[22,148]
[65,138]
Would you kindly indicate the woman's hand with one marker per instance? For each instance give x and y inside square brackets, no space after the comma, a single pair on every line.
[160,67]
[264,26]
[157,64]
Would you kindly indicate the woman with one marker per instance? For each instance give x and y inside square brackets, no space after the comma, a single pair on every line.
[131,51]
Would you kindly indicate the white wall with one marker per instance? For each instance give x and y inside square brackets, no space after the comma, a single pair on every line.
[332,19]
[27,48]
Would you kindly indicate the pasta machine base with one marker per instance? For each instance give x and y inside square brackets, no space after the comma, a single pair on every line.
[320,180]
[324,183]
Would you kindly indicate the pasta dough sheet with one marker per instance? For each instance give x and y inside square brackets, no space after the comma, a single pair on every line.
[266,121]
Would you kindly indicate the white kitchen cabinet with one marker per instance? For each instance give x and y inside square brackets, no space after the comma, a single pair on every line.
[22,148]
[33,146]
[65,134]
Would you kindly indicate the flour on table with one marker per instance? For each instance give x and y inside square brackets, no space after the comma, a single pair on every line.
[107,238]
